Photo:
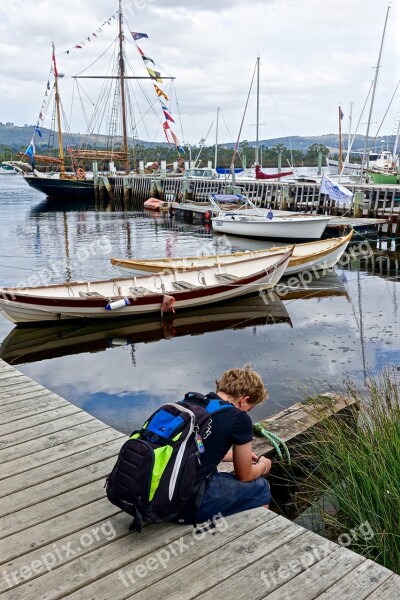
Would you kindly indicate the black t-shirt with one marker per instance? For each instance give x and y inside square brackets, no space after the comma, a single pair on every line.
[225,428]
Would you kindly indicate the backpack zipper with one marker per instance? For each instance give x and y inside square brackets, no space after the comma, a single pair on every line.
[179,456]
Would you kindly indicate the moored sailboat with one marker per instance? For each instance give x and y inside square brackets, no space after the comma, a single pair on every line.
[75,168]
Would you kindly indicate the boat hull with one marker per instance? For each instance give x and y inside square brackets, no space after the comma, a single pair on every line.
[385,178]
[22,307]
[312,255]
[275,229]
[62,188]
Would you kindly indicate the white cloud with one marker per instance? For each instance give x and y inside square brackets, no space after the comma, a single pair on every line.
[314,57]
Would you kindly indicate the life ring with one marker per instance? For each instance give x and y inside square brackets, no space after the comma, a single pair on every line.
[80,173]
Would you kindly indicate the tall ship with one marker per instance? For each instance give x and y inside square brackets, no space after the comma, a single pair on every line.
[68,170]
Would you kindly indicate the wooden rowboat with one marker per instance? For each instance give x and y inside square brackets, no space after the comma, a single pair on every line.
[153,294]
[319,255]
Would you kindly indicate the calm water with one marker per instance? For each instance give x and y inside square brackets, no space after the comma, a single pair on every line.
[120,372]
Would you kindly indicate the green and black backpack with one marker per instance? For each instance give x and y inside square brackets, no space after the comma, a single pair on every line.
[154,476]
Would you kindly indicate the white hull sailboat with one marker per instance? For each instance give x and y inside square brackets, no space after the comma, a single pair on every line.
[154,294]
[319,255]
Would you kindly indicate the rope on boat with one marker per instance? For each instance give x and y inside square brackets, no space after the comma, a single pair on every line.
[275,441]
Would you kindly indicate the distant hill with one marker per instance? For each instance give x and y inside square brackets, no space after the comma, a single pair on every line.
[18,137]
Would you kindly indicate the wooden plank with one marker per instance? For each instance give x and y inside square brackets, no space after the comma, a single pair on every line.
[69,549]
[26,449]
[8,389]
[56,486]
[272,569]
[29,391]
[124,553]
[319,577]
[292,422]
[358,584]
[45,429]
[55,528]
[45,403]
[9,374]
[219,564]
[53,507]
[389,590]
[101,450]
[30,399]
[42,418]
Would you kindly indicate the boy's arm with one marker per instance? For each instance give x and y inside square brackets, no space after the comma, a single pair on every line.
[243,465]
[229,456]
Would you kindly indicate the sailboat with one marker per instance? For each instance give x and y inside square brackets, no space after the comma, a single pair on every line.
[74,169]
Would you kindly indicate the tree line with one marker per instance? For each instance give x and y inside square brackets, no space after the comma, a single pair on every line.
[245,157]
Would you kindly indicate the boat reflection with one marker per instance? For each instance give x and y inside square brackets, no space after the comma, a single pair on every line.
[36,343]
[311,285]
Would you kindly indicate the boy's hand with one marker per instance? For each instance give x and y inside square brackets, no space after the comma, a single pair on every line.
[267,462]
[254,458]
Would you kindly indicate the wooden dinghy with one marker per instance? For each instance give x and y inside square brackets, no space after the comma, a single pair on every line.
[32,343]
[319,255]
[153,294]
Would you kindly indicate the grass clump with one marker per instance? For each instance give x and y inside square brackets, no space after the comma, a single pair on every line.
[353,468]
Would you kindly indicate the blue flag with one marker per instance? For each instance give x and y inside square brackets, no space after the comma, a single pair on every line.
[30,151]
[180,150]
[37,130]
[137,36]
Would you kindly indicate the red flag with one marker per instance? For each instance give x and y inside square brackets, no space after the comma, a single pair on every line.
[166,127]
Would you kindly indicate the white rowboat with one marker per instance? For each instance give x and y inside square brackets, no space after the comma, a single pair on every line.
[319,255]
[127,297]
[264,225]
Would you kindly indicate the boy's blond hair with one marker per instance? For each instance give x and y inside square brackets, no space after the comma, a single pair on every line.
[243,382]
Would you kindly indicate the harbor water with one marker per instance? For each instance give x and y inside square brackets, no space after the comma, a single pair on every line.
[308,339]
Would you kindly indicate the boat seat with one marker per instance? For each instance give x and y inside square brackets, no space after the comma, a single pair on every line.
[226,277]
[140,291]
[90,294]
[184,285]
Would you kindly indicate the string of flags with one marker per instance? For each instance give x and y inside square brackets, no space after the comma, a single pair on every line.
[155,76]
[31,150]
[94,34]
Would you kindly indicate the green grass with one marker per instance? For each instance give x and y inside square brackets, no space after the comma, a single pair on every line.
[354,464]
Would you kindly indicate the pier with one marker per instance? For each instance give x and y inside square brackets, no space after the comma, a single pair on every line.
[377,200]
[61,538]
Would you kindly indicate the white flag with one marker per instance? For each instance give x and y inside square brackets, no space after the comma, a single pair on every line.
[335,191]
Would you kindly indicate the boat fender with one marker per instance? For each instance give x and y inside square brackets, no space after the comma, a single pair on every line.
[167,304]
[117,304]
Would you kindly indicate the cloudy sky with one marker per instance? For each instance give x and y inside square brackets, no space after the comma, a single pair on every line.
[314,56]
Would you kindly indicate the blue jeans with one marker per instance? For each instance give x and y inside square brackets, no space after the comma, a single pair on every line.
[226,495]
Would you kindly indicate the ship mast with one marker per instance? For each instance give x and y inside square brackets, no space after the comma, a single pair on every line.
[365,158]
[122,88]
[340,141]
[258,110]
[58,116]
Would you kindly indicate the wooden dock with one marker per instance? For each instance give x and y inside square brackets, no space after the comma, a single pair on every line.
[61,538]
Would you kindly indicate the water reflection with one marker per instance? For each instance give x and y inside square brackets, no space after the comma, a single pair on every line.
[31,344]
[344,325]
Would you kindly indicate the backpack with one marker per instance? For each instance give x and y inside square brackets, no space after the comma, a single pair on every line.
[154,476]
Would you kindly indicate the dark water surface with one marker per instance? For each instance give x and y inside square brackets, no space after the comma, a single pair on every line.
[308,341]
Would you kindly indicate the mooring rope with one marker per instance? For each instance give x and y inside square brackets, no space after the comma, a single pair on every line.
[275,441]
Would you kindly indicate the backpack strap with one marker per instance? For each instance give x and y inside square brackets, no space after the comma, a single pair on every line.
[136,524]
[211,402]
